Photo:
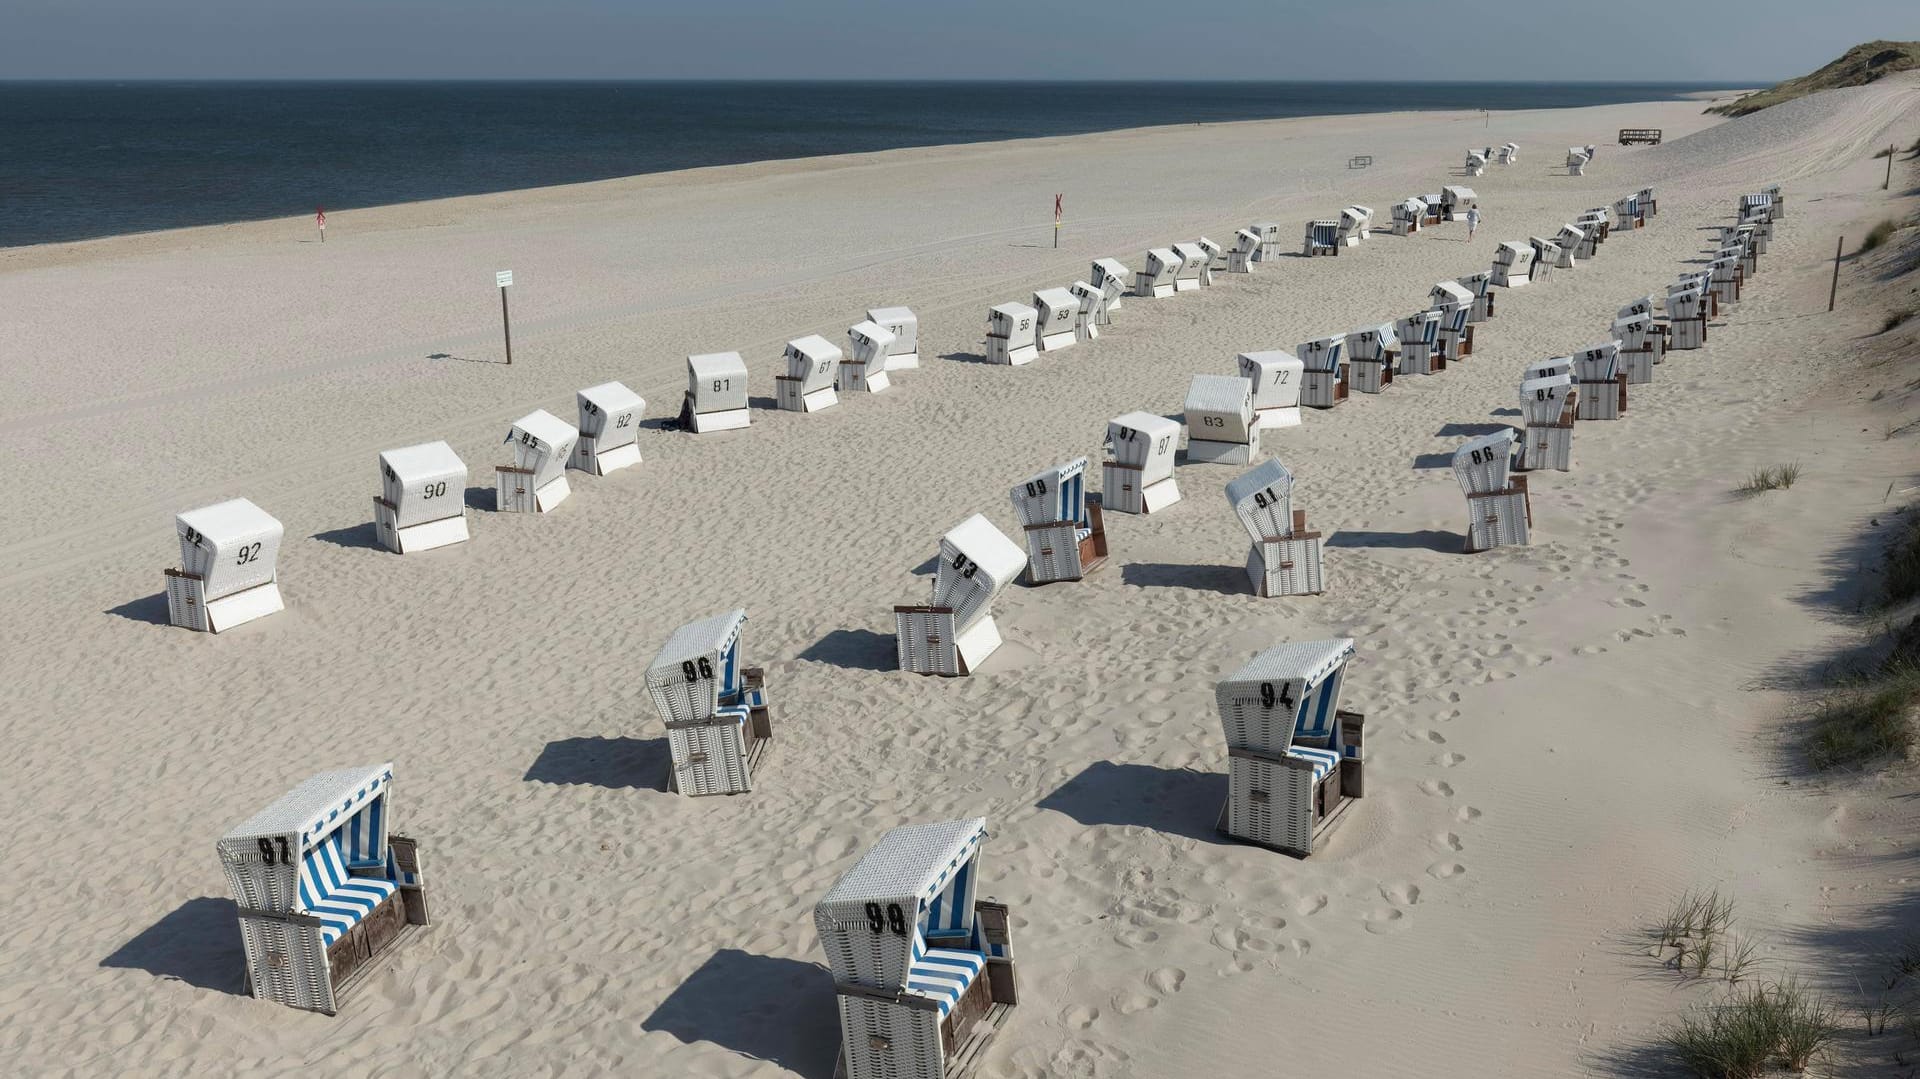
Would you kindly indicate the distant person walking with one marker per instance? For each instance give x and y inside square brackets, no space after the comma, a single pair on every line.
[1473,222]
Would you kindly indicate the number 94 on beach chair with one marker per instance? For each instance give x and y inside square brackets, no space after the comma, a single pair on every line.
[1293,755]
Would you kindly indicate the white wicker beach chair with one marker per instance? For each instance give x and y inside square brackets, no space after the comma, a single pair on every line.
[1419,337]
[1479,284]
[536,481]
[1546,255]
[1323,383]
[227,573]
[1112,279]
[609,429]
[1192,272]
[1408,216]
[1602,382]
[1498,511]
[955,633]
[1220,424]
[423,498]
[1454,338]
[715,710]
[1269,234]
[1456,200]
[1371,354]
[1642,345]
[1687,309]
[1011,334]
[1509,153]
[923,968]
[1139,476]
[1322,238]
[1512,265]
[1216,260]
[1567,243]
[1451,294]
[813,367]
[1284,558]
[1156,277]
[1593,232]
[1277,376]
[1090,311]
[1294,756]
[1728,273]
[1245,252]
[1649,205]
[1547,405]
[1066,537]
[716,393]
[864,370]
[1476,163]
[1627,213]
[324,888]
[1055,312]
[1577,158]
[1353,228]
[903,352]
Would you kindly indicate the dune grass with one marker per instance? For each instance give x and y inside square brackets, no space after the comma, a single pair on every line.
[1773,478]
[1879,235]
[1903,561]
[1775,1024]
[1869,718]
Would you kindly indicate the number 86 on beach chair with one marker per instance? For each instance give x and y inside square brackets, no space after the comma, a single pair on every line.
[955,633]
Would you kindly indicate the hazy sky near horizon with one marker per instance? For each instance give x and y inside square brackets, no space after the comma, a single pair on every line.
[1612,40]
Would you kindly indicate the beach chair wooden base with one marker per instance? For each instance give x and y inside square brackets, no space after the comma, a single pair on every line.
[1090,555]
[1272,419]
[965,1060]
[701,423]
[1502,518]
[903,361]
[413,539]
[1603,400]
[756,750]
[1318,389]
[1372,376]
[1639,366]
[588,457]
[787,395]
[514,492]
[1202,451]
[188,607]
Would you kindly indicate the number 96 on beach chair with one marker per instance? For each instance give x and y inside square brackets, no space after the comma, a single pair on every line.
[227,573]
[323,888]
[422,501]
[718,721]
[923,970]
[1293,755]
[1139,478]
[1066,538]
[955,633]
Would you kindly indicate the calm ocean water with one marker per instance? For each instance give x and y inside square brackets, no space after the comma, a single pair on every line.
[80,160]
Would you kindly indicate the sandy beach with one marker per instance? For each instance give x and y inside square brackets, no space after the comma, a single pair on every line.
[1561,738]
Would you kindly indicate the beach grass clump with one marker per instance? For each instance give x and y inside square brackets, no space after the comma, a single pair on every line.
[1895,318]
[1694,938]
[1879,235]
[1772,478]
[1866,719]
[1778,1024]
[1903,562]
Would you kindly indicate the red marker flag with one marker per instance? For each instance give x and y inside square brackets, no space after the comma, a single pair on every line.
[1056,206]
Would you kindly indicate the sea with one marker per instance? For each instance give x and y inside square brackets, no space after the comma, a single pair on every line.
[80,160]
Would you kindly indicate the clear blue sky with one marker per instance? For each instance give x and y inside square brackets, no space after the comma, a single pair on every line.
[1628,40]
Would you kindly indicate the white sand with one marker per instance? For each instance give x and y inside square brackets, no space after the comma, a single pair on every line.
[1560,738]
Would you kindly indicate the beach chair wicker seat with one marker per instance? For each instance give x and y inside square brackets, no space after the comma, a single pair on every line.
[1216,260]
[923,968]
[955,633]
[813,368]
[1512,265]
[1407,216]
[1156,277]
[715,709]
[1138,475]
[1191,272]
[1277,377]
[227,575]
[864,370]
[1687,309]
[1269,236]
[1728,275]
[1112,279]
[1419,338]
[1602,382]
[1322,238]
[1642,345]
[422,502]
[1055,312]
[1593,232]
[716,393]
[1090,311]
[1284,558]
[1626,211]
[1372,352]
[1547,395]
[903,352]
[1546,255]
[1066,536]
[1220,421]
[1355,222]
[1244,253]
[1476,163]
[1456,200]
[1454,336]
[536,481]
[1498,511]
[1010,334]
[609,429]
[323,888]
[1577,159]
[1294,756]
[1323,382]
[1480,285]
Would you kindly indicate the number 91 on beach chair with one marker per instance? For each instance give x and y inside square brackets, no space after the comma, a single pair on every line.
[226,575]
[1066,538]
[718,722]
[955,633]
[1284,559]
[323,888]
[923,971]
[1293,755]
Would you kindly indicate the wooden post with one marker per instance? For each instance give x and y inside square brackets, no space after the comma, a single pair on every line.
[1834,290]
[506,324]
[1888,184]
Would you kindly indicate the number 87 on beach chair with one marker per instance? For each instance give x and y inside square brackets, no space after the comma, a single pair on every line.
[1139,478]
[323,888]
[1066,538]
[1293,755]
[955,633]
[922,969]
[718,722]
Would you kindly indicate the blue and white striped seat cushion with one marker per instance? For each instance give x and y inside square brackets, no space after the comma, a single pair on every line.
[337,898]
[1323,760]
[1080,534]
[944,974]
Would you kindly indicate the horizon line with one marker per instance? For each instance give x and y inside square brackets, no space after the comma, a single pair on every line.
[956,80]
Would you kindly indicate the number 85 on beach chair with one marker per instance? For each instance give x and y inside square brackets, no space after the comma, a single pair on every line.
[955,633]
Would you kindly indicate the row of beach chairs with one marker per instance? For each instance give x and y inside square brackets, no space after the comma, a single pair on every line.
[1478,159]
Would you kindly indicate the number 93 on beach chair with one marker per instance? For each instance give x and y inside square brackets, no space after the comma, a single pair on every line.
[1139,477]
[423,498]
[324,889]
[715,709]
[955,633]
[1284,559]
[227,573]
[1066,538]
[922,968]
[1294,759]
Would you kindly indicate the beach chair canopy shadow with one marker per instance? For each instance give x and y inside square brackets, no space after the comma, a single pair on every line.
[194,943]
[760,1006]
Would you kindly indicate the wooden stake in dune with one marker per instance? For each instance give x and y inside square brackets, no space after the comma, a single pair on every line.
[1834,289]
[1057,197]
[1887,184]
[504,278]
[320,218]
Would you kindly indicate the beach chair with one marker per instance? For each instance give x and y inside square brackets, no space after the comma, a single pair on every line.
[1010,334]
[923,971]
[1323,383]
[1642,345]
[423,498]
[1188,275]
[1570,240]
[903,352]
[1090,311]
[1284,559]
[1627,212]
[1353,227]
[1767,203]
[1220,422]
[1436,213]
[1546,255]
[1649,206]
[1419,338]
[1726,280]
[1455,201]
[1603,385]
[1269,234]
[1294,760]
[1512,265]
[1245,252]
[716,393]
[1577,158]
[1371,354]
[1156,278]
[325,889]
[1509,153]
[1216,260]
[227,574]
[1278,379]
[954,634]
[609,429]
[1407,216]
[1066,537]
[1139,476]
[1055,312]
[1593,231]
[536,481]
[1322,238]
[1498,511]
[1479,285]
[864,369]
[1687,317]
[1454,336]
[1111,279]
[1476,163]
[1547,406]
[716,713]
[813,368]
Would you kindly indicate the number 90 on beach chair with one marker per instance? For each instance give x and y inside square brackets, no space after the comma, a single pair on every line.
[1294,759]
[423,498]
[954,634]
[715,709]
[1066,538]
[227,575]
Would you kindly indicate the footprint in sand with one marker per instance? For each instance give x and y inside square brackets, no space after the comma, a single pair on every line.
[1312,904]
[1167,980]
[1624,601]
[1080,1016]
[1447,716]
[1449,759]
[1435,737]
[1135,938]
[1300,947]
[1468,814]
[1386,920]
[1448,840]
[1445,870]
[1439,788]
[1401,894]
[1130,1003]
[1589,650]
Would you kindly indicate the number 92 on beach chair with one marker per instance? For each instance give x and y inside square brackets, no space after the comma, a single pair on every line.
[323,888]
[923,970]
[227,575]
[716,713]
[1294,758]
[955,633]
[423,498]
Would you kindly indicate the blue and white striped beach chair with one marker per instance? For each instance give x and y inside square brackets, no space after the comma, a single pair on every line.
[323,886]
[1419,337]
[1322,238]
[1293,755]
[715,708]
[1371,354]
[1066,537]
[1323,378]
[1603,385]
[922,967]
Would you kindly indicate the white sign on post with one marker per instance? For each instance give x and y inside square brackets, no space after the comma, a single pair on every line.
[503,278]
